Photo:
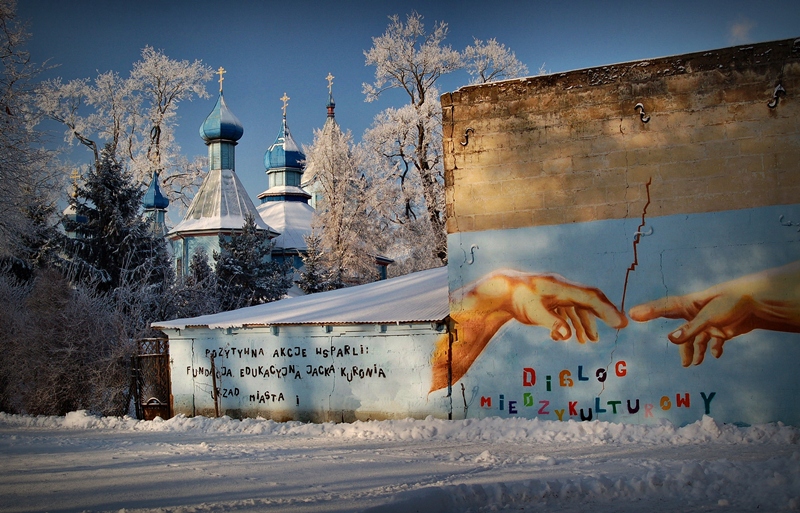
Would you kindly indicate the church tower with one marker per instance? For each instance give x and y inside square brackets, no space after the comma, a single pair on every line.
[284,205]
[155,208]
[221,204]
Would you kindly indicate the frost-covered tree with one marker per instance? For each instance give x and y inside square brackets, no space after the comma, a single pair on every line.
[315,274]
[245,273]
[345,215]
[135,115]
[490,61]
[114,245]
[406,57]
[408,139]
[197,293]
[28,174]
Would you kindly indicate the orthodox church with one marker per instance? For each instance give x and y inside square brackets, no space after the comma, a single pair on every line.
[221,203]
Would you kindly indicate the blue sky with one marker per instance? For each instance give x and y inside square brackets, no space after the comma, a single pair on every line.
[269,48]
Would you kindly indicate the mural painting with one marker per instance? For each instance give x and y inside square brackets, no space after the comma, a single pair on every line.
[543,326]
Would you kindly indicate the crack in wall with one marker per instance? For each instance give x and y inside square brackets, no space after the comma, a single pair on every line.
[636,239]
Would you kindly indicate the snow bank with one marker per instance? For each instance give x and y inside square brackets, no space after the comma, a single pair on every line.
[495,429]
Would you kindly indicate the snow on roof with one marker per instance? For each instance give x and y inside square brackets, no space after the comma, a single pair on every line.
[416,297]
[292,219]
[221,204]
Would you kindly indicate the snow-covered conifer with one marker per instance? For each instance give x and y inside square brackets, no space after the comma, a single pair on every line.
[114,242]
[315,275]
[245,273]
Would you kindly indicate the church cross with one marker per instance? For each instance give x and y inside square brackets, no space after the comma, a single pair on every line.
[220,72]
[285,100]
[329,78]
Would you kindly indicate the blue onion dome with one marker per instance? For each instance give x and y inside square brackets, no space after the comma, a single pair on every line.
[284,152]
[221,124]
[154,198]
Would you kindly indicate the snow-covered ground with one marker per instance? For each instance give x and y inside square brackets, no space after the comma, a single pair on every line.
[86,463]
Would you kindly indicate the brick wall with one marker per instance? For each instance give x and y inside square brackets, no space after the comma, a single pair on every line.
[571,147]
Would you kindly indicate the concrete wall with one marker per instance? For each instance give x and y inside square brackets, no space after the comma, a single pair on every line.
[307,373]
[628,270]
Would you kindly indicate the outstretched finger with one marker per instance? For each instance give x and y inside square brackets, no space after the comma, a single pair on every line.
[671,307]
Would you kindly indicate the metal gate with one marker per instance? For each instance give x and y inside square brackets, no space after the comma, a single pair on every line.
[152,391]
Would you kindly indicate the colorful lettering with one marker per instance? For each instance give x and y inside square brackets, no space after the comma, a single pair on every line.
[542,410]
[572,405]
[597,406]
[707,401]
[685,403]
[564,378]
[666,404]
[486,402]
[528,377]
[560,414]
[621,368]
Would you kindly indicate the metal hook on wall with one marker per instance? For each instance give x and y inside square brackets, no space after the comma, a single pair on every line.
[776,94]
[642,114]
[644,234]
[466,136]
[472,254]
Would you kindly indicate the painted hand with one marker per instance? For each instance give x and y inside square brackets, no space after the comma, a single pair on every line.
[766,300]
[564,308]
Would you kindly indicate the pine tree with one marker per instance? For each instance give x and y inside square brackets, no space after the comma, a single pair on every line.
[246,275]
[199,270]
[197,294]
[114,244]
[314,276]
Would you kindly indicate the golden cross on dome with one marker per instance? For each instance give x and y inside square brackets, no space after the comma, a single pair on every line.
[285,100]
[220,72]
[329,78]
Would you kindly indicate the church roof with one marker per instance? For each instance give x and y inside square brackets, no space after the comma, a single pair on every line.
[415,297]
[221,204]
[292,219]
[221,123]
[153,198]
[284,152]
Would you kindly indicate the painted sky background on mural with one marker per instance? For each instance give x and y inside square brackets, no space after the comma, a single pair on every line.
[269,48]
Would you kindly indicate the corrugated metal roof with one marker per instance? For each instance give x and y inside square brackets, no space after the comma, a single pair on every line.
[416,297]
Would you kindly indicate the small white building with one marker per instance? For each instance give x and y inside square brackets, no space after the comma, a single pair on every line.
[350,354]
